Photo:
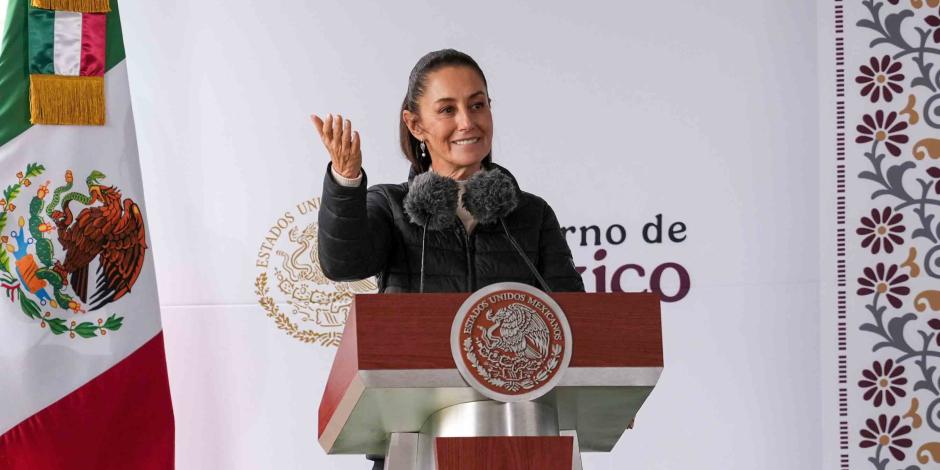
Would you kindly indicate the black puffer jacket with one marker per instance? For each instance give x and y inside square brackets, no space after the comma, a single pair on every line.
[367,232]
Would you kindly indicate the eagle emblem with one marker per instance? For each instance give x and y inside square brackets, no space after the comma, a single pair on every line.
[520,329]
[113,232]
[511,342]
[46,264]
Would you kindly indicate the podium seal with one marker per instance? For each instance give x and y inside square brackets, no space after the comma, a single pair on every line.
[511,342]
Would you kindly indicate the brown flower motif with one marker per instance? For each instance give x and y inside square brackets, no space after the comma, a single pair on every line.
[886,433]
[883,128]
[934,172]
[880,78]
[881,230]
[885,281]
[883,383]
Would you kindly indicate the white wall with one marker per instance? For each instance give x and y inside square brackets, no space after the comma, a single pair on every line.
[614,112]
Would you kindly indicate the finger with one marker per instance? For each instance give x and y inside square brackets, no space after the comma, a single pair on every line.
[327,129]
[318,124]
[337,130]
[345,143]
[355,143]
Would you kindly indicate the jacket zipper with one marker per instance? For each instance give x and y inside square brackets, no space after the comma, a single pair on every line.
[468,251]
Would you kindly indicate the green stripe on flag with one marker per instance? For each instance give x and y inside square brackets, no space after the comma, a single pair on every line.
[41,30]
[115,51]
[14,79]
[14,66]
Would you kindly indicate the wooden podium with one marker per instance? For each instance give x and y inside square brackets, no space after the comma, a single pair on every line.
[394,388]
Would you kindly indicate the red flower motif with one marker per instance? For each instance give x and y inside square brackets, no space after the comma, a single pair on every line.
[933,21]
[884,281]
[883,383]
[880,78]
[886,433]
[934,172]
[935,324]
[881,229]
[883,128]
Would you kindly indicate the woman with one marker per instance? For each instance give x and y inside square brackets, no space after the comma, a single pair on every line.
[460,222]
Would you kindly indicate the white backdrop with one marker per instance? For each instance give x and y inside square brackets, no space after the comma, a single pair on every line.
[704,112]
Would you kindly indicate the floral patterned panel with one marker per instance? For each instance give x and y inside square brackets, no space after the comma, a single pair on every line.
[890,212]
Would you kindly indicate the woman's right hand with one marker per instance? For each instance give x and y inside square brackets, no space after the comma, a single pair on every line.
[342,143]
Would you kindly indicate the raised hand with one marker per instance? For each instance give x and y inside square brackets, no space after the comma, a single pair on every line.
[342,143]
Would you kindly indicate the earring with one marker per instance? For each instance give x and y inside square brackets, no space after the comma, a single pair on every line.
[423,148]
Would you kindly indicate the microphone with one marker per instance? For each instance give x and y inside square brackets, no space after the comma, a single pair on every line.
[490,195]
[431,202]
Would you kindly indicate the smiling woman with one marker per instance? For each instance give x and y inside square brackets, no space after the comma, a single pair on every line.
[456,126]
[405,233]
[461,222]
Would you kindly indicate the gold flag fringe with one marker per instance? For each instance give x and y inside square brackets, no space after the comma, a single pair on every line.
[58,99]
[83,6]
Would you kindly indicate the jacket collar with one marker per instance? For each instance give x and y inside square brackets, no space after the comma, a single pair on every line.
[486,167]
[489,195]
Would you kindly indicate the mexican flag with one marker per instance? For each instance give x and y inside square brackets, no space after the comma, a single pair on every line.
[83,380]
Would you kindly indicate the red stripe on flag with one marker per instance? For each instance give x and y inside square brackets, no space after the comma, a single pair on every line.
[121,419]
[94,32]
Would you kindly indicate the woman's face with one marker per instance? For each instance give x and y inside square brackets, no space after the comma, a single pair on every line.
[454,121]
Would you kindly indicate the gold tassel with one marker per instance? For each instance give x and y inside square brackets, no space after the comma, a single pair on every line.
[83,6]
[58,99]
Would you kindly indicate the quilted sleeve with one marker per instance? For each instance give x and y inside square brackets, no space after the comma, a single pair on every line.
[355,227]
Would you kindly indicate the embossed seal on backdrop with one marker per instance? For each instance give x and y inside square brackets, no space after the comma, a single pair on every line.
[291,286]
[511,342]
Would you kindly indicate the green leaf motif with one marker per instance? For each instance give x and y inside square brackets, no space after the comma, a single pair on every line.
[4,257]
[34,169]
[4,260]
[113,323]
[11,192]
[57,325]
[30,308]
[86,329]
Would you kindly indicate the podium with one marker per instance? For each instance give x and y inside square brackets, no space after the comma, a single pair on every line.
[394,387]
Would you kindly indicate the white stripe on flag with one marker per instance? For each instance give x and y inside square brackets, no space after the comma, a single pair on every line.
[67,48]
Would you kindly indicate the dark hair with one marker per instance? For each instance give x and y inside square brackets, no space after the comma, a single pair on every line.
[417,82]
